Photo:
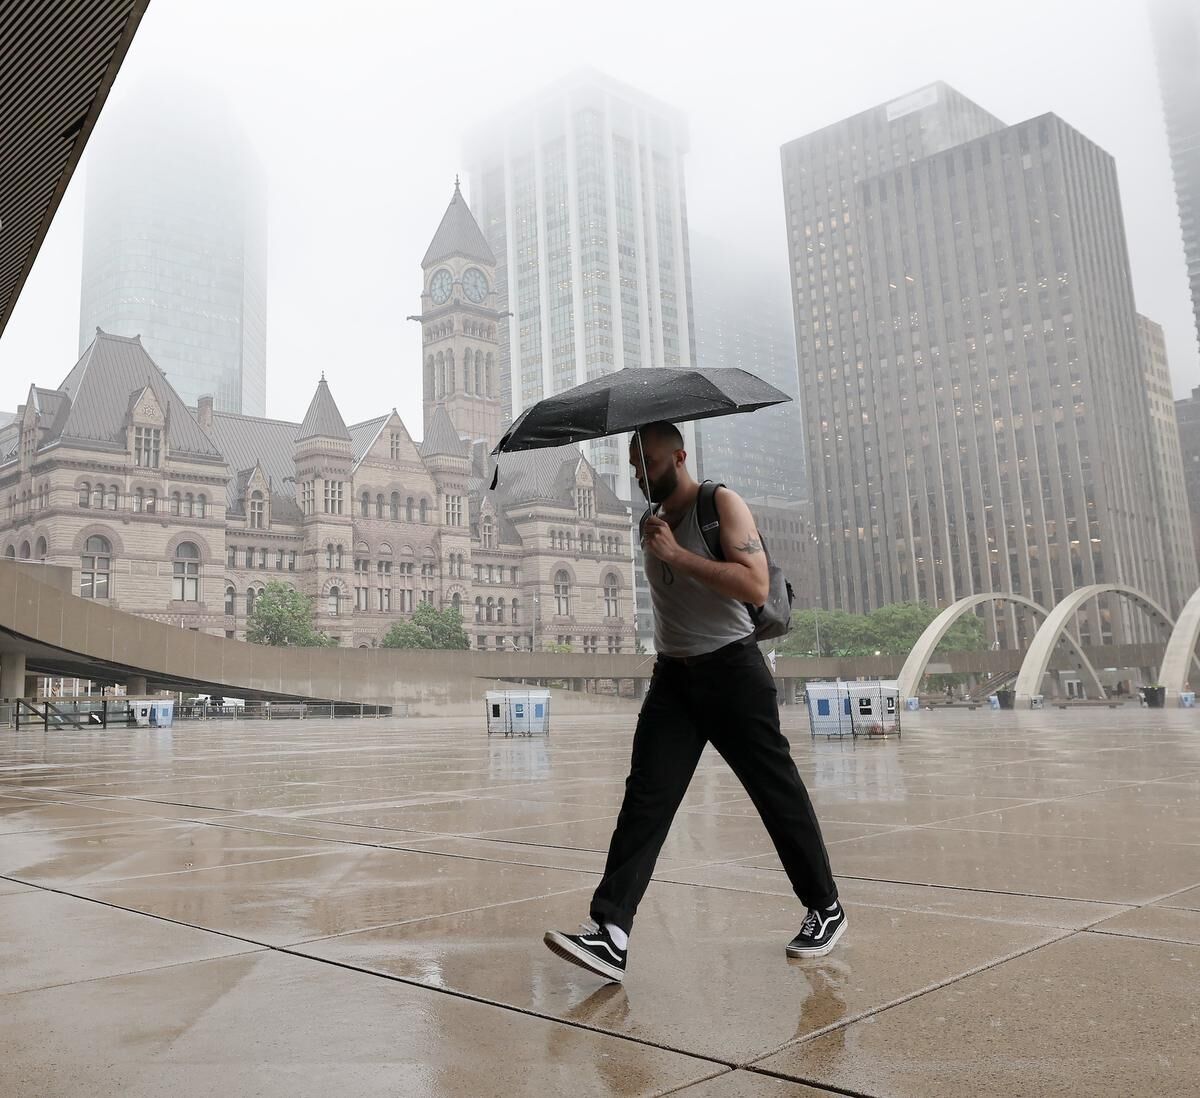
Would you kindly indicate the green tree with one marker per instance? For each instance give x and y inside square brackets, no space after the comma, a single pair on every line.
[283,618]
[890,630]
[557,648]
[429,628]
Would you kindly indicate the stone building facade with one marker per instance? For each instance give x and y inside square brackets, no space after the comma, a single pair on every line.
[185,514]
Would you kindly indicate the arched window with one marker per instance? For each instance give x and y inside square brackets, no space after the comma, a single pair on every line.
[329,556]
[230,595]
[467,384]
[491,376]
[379,506]
[365,505]
[456,603]
[500,611]
[489,613]
[95,568]
[611,596]
[408,509]
[85,495]
[98,497]
[516,612]
[441,375]
[569,540]
[202,506]
[152,501]
[488,532]
[424,510]
[25,550]
[40,551]
[251,595]
[11,554]
[333,601]
[562,593]
[450,381]
[176,503]
[479,372]
[186,579]
[258,510]
[478,600]
[394,507]
[111,497]
[339,557]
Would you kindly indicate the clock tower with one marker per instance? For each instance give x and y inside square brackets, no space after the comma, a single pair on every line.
[460,352]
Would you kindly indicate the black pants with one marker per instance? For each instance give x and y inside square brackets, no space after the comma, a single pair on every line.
[727,698]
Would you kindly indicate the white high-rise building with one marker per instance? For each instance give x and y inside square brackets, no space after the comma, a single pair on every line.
[580,194]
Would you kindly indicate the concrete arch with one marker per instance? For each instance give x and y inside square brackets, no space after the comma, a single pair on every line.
[1179,658]
[918,659]
[1052,633]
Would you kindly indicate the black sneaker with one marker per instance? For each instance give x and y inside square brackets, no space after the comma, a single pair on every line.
[819,934]
[592,949]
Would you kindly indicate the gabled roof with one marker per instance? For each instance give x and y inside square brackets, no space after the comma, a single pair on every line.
[247,441]
[548,475]
[323,420]
[363,436]
[442,438]
[458,234]
[92,404]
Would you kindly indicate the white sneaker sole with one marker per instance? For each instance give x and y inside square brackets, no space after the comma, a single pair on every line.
[563,947]
[801,953]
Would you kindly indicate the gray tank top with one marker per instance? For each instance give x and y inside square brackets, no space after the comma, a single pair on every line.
[689,618]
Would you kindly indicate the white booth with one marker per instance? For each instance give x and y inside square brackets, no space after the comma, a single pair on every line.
[153,712]
[518,712]
[867,708]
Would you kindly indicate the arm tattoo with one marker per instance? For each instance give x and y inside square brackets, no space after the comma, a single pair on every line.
[750,547]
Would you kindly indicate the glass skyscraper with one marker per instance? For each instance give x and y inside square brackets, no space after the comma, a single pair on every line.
[1176,26]
[580,194]
[175,243]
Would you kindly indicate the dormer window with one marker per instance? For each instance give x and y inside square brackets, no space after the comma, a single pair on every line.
[585,503]
[147,445]
[258,511]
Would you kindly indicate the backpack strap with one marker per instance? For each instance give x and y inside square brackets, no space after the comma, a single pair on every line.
[709,519]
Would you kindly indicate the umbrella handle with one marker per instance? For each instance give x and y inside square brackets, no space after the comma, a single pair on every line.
[645,475]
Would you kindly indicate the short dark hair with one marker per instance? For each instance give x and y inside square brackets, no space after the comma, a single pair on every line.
[664,432]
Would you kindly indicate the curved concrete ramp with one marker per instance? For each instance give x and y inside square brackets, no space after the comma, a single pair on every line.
[58,633]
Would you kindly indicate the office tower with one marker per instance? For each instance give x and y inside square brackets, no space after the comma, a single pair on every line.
[743,321]
[1187,416]
[580,194]
[175,245]
[975,409]
[1176,27]
[1168,463]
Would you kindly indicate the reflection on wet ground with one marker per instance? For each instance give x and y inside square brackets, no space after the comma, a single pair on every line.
[357,907]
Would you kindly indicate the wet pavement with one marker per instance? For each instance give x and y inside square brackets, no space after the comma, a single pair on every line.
[357,907]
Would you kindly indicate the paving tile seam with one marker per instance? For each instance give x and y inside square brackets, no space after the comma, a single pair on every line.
[490,861]
[105,881]
[131,972]
[683,1087]
[222,822]
[1129,936]
[1123,909]
[145,914]
[937,985]
[992,891]
[440,915]
[527,1011]
[828,1088]
[941,826]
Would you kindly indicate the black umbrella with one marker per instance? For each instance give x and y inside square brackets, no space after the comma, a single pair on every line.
[628,399]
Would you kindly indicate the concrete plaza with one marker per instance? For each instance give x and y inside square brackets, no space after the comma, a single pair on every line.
[357,907]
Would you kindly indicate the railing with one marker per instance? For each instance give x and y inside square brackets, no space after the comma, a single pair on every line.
[117,711]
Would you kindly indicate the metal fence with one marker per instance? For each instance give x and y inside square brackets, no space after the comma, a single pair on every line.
[116,711]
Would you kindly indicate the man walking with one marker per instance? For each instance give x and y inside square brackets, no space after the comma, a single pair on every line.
[710,684]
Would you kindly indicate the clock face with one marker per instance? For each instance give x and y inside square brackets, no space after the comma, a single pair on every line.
[440,286]
[475,284]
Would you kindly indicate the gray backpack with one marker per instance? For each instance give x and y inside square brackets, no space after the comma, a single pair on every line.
[774,617]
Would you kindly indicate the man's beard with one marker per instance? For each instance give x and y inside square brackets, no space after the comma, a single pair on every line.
[662,488]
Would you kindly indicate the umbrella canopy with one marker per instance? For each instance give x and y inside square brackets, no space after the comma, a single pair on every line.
[628,399]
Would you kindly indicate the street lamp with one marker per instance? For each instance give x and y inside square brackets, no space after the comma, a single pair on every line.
[536,615]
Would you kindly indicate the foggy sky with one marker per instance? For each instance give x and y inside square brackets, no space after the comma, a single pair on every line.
[358,110]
